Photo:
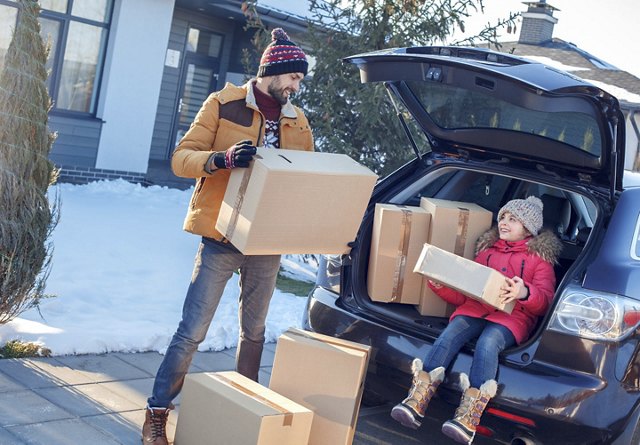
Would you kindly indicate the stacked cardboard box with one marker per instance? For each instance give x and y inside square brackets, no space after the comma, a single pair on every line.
[466,276]
[293,202]
[398,235]
[455,227]
[326,375]
[228,408]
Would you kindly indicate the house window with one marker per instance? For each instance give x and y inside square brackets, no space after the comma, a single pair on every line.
[77,33]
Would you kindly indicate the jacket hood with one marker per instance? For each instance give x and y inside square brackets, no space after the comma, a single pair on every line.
[546,244]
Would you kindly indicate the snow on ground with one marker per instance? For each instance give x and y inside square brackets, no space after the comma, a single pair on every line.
[121,266]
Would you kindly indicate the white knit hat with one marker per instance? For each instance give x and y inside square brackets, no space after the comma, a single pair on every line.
[528,211]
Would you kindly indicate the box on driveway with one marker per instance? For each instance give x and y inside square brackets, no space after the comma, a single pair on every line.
[326,375]
[228,408]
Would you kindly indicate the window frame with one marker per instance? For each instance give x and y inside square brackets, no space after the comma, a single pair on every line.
[55,77]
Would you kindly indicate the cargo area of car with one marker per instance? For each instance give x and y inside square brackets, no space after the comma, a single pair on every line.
[568,214]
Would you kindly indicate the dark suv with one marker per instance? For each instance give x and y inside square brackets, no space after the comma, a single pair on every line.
[488,127]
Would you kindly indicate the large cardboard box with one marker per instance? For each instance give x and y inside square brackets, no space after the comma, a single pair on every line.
[228,408]
[326,375]
[398,235]
[472,279]
[292,202]
[455,227]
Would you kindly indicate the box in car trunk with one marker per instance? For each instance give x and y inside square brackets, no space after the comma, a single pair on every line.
[326,375]
[295,202]
[455,227]
[466,276]
[398,235]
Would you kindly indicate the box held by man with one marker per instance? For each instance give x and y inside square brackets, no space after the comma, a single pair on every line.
[295,202]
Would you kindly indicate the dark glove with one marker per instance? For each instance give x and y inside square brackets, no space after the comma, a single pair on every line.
[238,155]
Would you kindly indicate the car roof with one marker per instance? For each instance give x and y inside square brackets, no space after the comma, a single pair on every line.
[521,110]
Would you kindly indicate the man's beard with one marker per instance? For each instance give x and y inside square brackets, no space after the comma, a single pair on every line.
[277,93]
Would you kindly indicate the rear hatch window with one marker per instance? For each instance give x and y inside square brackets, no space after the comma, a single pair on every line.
[456,108]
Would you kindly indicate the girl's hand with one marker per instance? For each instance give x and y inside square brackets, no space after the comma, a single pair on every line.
[435,285]
[513,289]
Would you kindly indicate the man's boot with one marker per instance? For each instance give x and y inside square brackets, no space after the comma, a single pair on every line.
[154,430]
[410,411]
[462,428]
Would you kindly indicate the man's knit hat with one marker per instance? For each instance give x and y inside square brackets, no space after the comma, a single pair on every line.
[528,211]
[282,56]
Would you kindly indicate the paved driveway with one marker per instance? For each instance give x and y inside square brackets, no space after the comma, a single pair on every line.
[100,399]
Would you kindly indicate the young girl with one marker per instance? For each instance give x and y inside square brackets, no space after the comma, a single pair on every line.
[526,259]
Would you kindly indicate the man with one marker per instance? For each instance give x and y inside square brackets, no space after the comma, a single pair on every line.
[223,136]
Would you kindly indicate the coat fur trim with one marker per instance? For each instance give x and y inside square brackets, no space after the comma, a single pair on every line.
[546,244]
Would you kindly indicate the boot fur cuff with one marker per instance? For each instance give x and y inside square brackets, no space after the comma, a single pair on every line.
[416,365]
[490,388]
[437,375]
[464,382]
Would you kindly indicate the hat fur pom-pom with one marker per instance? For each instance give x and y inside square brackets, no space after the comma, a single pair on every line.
[279,34]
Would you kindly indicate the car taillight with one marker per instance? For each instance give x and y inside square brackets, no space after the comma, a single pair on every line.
[595,315]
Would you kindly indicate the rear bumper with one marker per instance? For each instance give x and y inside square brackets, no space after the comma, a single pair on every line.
[546,403]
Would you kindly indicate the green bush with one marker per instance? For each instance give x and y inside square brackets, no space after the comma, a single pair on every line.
[18,349]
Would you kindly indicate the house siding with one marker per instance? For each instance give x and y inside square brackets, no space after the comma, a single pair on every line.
[76,142]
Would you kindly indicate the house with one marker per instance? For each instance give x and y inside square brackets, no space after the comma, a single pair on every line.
[536,42]
[128,76]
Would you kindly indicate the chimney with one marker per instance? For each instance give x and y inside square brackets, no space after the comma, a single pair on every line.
[537,23]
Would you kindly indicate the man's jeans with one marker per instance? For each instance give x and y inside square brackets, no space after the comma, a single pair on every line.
[492,340]
[214,265]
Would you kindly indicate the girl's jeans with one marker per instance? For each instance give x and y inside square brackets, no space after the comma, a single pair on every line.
[215,264]
[492,340]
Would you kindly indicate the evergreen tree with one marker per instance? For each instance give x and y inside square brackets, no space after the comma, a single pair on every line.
[360,120]
[26,218]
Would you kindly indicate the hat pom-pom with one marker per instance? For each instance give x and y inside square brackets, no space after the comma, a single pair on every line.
[534,200]
[279,34]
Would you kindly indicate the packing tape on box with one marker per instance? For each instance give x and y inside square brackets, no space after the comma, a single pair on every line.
[461,232]
[288,415]
[401,256]
[237,205]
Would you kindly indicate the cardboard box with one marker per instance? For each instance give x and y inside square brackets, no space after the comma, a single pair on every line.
[326,375]
[455,227]
[472,279]
[294,202]
[431,304]
[228,408]
[398,235]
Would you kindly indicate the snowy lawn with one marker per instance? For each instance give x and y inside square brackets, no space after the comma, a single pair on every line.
[121,266]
